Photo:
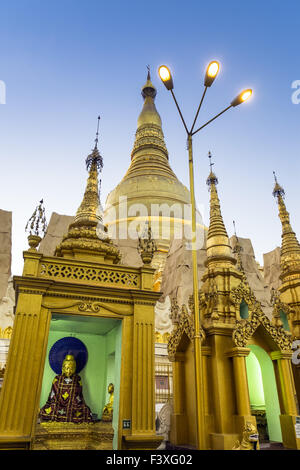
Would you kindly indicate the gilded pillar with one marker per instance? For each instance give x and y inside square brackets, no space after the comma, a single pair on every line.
[143,368]
[143,390]
[241,381]
[287,398]
[22,382]
[178,432]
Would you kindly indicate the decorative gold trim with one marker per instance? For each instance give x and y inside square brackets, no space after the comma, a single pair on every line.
[6,333]
[245,329]
[184,324]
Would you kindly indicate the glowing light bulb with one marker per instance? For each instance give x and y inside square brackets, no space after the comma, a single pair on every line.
[164,73]
[213,69]
[246,94]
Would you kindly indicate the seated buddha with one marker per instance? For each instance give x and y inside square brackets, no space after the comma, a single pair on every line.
[107,413]
[65,402]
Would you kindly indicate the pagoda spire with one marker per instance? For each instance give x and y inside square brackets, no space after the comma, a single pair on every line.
[149,124]
[290,248]
[217,245]
[89,213]
[86,237]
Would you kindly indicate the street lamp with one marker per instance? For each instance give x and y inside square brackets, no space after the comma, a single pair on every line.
[212,71]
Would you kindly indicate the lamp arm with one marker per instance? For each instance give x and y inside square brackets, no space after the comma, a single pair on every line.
[205,89]
[177,106]
[208,122]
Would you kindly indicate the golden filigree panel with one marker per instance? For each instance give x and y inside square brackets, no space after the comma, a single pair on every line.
[6,333]
[184,324]
[87,274]
[246,328]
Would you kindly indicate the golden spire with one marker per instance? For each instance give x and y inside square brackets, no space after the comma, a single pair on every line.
[290,248]
[86,237]
[217,245]
[149,123]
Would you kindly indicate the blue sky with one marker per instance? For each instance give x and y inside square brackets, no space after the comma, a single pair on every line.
[64,62]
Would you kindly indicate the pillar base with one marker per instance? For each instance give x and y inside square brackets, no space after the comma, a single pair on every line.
[289,439]
[223,441]
[178,429]
[14,443]
[141,441]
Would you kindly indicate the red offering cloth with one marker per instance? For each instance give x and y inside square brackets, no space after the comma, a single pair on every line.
[65,402]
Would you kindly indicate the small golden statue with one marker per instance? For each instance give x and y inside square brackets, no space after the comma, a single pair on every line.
[65,402]
[250,438]
[107,413]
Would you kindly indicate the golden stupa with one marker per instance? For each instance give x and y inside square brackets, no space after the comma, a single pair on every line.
[150,190]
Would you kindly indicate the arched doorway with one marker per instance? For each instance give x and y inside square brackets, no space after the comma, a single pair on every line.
[263,389]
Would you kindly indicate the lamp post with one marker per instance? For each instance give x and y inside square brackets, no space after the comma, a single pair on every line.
[212,71]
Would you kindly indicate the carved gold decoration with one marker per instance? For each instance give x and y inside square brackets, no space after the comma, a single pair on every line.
[208,301]
[184,324]
[107,413]
[278,306]
[6,333]
[162,338]
[246,328]
[146,245]
[33,242]
[73,436]
[94,275]
[244,292]
[250,438]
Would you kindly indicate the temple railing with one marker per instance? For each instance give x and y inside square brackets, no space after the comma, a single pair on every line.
[117,276]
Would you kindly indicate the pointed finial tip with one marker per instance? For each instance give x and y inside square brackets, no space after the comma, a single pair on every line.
[278,190]
[212,179]
[148,89]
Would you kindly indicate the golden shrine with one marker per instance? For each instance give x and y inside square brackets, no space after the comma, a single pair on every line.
[229,334]
[84,291]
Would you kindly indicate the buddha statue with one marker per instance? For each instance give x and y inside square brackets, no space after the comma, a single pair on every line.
[107,413]
[65,402]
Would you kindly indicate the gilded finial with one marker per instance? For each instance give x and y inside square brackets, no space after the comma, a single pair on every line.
[290,248]
[278,190]
[97,133]
[36,226]
[95,156]
[212,179]
[146,245]
[148,89]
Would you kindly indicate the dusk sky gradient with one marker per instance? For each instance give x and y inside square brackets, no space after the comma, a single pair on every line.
[64,62]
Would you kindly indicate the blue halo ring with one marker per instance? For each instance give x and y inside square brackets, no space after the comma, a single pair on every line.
[64,346]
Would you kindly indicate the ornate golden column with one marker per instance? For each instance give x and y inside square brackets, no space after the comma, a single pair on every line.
[287,394]
[143,390]
[21,388]
[241,381]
